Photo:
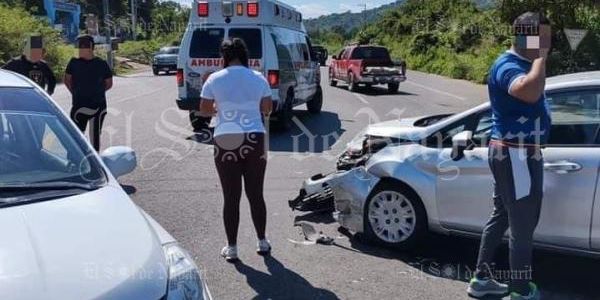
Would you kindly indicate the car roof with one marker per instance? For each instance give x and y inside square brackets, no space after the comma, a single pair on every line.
[11,79]
[574,80]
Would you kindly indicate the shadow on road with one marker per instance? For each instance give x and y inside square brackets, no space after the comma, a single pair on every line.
[280,282]
[380,90]
[310,133]
[559,276]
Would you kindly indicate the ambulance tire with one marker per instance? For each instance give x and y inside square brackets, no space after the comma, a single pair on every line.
[199,123]
[316,103]
[285,115]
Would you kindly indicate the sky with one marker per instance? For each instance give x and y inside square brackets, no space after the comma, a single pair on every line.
[316,8]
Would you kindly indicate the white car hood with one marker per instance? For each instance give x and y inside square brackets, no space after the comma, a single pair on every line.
[402,129]
[93,246]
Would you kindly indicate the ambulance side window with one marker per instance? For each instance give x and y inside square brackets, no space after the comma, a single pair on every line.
[206,43]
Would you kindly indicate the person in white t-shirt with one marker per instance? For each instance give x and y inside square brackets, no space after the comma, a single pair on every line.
[240,99]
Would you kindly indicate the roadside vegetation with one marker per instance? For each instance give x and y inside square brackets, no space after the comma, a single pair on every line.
[462,38]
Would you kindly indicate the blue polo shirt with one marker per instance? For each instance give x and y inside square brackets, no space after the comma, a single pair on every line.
[513,120]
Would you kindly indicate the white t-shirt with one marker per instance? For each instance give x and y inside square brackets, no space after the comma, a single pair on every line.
[237,92]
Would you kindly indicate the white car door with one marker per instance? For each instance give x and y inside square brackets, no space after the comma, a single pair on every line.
[571,163]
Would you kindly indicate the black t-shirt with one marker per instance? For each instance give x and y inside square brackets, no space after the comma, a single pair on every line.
[38,72]
[88,81]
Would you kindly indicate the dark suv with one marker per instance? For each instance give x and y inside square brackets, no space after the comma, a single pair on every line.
[165,60]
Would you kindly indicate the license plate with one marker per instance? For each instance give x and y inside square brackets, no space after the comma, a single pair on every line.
[368,79]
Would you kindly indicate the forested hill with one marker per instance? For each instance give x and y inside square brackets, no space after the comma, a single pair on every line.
[349,21]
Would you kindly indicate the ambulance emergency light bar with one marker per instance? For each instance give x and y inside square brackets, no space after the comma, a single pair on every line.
[252,9]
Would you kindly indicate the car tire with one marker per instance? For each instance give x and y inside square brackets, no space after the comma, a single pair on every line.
[198,122]
[393,88]
[392,207]
[155,72]
[332,81]
[352,85]
[285,115]
[315,104]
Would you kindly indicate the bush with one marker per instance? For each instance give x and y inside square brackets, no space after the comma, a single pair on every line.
[143,51]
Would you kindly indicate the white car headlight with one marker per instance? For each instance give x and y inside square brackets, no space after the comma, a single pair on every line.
[185,279]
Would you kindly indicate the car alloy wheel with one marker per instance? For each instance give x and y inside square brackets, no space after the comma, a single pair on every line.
[392,217]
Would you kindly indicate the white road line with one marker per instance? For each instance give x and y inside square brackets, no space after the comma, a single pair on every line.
[436,91]
[361,98]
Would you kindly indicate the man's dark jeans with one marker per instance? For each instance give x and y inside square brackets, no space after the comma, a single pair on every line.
[521,216]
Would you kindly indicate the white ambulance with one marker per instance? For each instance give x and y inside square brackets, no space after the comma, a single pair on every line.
[278,45]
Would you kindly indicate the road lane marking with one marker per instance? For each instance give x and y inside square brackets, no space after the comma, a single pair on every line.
[436,90]
[360,98]
[138,95]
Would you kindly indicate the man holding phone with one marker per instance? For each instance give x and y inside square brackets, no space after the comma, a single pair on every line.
[32,65]
[521,125]
[88,78]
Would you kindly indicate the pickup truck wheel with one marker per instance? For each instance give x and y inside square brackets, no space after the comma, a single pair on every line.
[352,85]
[393,88]
[198,122]
[316,103]
[394,217]
[332,81]
[155,72]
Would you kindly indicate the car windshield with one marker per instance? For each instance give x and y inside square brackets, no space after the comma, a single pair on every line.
[169,51]
[371,53]
[39,148]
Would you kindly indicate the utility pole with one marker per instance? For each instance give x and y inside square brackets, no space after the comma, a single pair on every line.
[134,19]
[107,22]
[364,12]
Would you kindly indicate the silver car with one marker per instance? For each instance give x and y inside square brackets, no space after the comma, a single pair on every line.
[435,177]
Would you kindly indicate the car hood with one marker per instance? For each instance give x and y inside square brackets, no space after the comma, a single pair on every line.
[92,246]
[401,129]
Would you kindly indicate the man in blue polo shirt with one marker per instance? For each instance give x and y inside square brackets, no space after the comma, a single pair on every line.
[521,125]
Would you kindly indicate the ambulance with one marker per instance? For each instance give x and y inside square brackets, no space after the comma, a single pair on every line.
[278,45]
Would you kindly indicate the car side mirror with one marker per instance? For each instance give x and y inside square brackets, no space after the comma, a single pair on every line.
[460,143]
[119,160]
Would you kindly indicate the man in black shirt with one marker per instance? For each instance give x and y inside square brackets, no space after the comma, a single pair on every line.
[32,65]
[88,78]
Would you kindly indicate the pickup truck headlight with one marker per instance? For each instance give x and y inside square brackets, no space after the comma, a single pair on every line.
[185,280]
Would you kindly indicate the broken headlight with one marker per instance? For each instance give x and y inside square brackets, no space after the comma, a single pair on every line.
[361,148]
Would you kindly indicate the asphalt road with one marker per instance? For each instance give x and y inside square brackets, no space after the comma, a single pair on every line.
[177,184]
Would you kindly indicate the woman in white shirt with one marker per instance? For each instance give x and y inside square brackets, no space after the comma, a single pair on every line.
[240,98]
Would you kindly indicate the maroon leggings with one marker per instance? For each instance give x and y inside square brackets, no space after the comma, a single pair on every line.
[237,157]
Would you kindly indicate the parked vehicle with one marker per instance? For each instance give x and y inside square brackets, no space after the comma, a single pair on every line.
[436,177]
[366,65]
[69,231]
[322,54]
[165,60]
[279,48]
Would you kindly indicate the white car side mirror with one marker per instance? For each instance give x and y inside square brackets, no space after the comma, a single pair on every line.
[120,160]
[460,143]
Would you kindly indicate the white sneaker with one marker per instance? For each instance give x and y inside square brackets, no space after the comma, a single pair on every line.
[263,248]
[230,253]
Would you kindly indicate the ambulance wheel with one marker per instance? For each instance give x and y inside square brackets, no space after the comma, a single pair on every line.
[155,72]
[352,85]
[285,115]
[393,88]
[316,103]
[199,123]
[332,82]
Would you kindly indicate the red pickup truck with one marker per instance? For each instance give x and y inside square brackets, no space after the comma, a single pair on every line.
[368,65]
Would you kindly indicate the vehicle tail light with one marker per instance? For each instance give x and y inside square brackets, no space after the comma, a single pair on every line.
[252,9]
[273,78]
[180,80]
[203,9]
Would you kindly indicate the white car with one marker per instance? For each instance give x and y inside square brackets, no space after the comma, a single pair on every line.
[68,230]
[436,176]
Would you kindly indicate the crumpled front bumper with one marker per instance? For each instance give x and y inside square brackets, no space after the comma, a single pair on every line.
[350,191]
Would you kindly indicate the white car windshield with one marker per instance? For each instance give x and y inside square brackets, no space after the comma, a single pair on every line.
[39,148]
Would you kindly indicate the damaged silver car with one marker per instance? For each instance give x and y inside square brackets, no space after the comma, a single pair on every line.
[437,178]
